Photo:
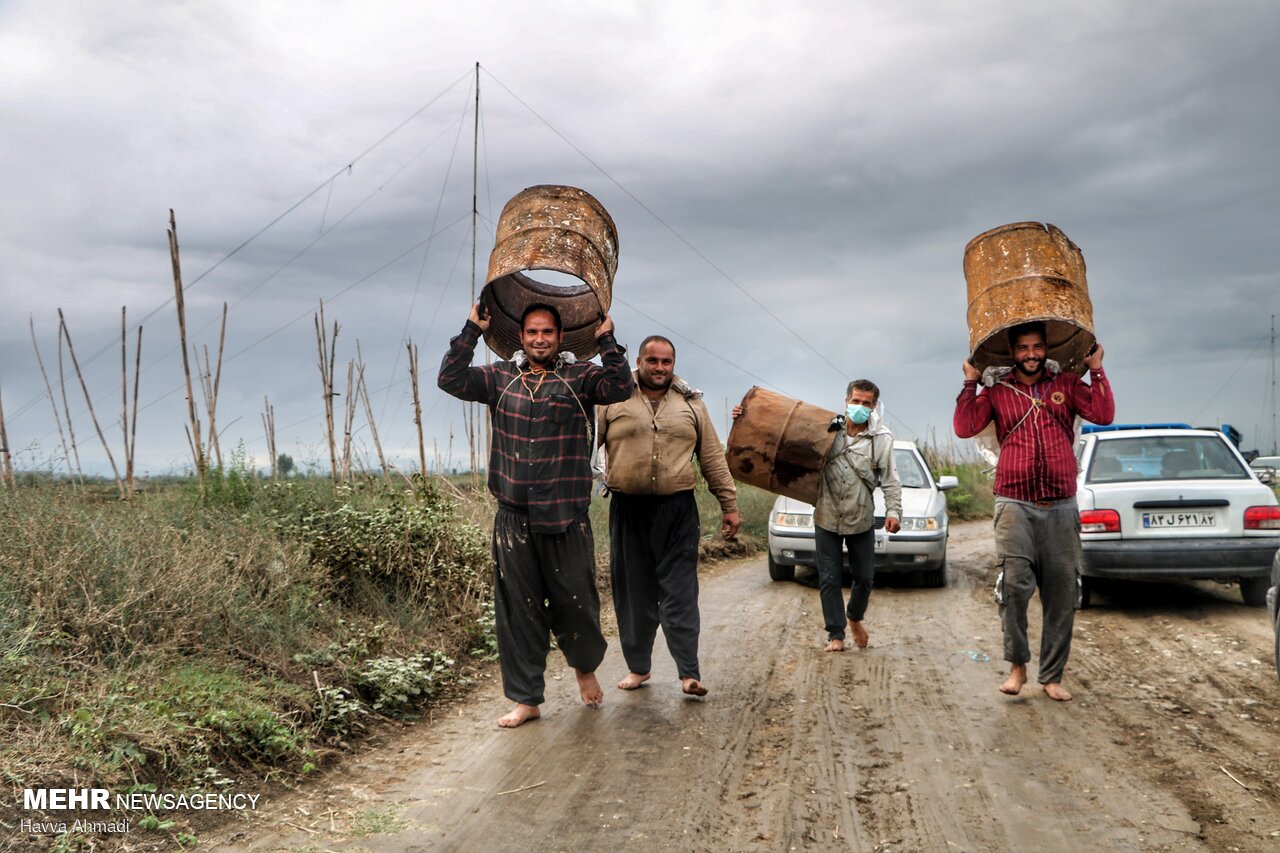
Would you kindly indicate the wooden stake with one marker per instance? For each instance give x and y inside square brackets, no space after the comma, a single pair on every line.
[133,426]
[269,427]
[66,408]
[6,458]
[62,324]
[417,410]
[348,420]
[197,451]
[57,419]
[326,350]
[368,415]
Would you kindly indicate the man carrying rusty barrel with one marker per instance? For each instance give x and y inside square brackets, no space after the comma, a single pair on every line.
[650,442]
[1037,526]
[541,405]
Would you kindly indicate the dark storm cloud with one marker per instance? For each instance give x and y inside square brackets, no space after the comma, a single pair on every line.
[832,162]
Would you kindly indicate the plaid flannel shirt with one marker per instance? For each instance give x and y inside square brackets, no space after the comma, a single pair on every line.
[540,463]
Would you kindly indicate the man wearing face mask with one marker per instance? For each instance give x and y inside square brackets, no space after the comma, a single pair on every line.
[859,460]
[1037,525]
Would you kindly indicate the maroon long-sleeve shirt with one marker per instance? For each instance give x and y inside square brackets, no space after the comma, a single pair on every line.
[1035,425]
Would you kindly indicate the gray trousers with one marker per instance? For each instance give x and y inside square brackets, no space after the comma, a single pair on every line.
[862,564]
[1038,544]
[543,584]
[654,568]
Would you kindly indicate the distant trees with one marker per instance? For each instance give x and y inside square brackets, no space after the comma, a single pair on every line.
[284,464]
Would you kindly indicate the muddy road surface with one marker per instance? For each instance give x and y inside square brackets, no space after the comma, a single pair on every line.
[1172,742]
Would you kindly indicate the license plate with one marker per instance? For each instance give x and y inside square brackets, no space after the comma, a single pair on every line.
[1194,518]
[882,543]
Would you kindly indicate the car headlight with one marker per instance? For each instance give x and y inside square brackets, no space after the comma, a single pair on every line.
[919,523]
[793,519]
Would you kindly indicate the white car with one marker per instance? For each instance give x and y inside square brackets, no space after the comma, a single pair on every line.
[1160,504]
[921,545]
[1267,468]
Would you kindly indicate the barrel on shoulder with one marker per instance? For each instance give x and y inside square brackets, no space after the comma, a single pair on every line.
[558,228]
[778,444]
[1022,272]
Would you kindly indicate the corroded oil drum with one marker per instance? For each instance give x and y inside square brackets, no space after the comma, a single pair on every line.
[778,444]
[551,228]
[1022,272]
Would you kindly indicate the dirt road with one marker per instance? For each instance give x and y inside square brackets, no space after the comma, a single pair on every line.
[904,746]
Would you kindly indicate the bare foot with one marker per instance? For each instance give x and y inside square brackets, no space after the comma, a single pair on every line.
[834,646]
[519,714]
[1017,677]
[693,687]
[589,687]
[1055,691]
[633,680]
[860,636]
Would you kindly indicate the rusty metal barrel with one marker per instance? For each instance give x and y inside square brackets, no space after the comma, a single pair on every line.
[1022,272]
[778,444]
[558,228]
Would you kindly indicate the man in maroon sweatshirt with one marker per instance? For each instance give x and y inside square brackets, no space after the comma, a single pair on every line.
[1037,525]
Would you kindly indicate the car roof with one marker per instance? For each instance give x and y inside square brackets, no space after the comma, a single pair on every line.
[1130,433]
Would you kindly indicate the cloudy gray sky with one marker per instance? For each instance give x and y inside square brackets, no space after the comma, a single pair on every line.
[832,159]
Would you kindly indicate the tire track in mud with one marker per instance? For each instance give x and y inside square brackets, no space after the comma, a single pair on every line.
[904,746]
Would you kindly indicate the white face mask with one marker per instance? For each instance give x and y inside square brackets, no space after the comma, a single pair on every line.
[858,413]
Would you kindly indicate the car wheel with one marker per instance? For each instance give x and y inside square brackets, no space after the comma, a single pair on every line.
[1254,591]
[780,572]
[1084,592]
[935,578]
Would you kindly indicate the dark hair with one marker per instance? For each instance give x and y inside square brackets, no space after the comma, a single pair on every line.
[862,385]
[540,306]
[1035,327]
[656,339]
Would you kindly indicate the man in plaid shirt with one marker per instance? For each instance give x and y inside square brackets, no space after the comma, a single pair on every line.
[542,408]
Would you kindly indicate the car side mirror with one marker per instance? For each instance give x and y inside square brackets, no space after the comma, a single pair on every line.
[947,482]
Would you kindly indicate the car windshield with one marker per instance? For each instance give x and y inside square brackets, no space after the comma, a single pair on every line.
[910,472]
[1266,462]
[1164,457]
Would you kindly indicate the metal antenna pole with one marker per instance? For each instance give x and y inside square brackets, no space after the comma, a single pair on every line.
[475,208]
[1273,385]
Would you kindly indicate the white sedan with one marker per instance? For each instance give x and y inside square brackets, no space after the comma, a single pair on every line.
[1173,503]
[921,545]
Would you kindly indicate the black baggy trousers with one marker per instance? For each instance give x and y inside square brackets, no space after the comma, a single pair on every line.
[654,568]
[543,584]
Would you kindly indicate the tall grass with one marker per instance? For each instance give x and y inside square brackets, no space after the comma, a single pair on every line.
[973,499]
[193,643]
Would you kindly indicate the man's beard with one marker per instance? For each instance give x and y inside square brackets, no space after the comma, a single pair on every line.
[545,362]
[648,383]
[1022,368]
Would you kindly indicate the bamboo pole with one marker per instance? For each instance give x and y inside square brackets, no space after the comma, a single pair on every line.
[368,415]
[193,440]
[6,458]
[211,398]
[348,420]
[75,363]
[417,410]
[129,433]
[269,428]
[133,426]
[57,419]
[66,408]
[327,350]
